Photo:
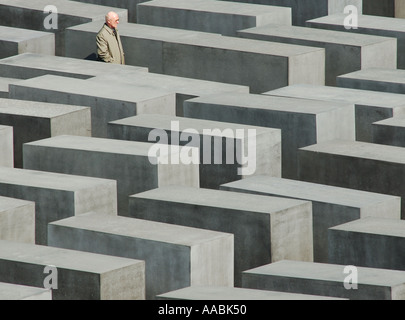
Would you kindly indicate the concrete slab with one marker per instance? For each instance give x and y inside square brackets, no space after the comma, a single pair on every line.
[223,147]
[367,24]
[14,41]
[344,52]
[185,88]
[208,56]
[258,223]
[33,121]
[57,196]
[303,11]
[17,220]
[130,5]
[6,145]
[10,291]
[175,256]
[40,15]
[233,293]
[302,122]
[221,17]
[327,279]
[331,205]
[352,164]
[390,131]
[129,163]
[77,275]
[108,102]
[375,79]
[370,106]
[364,243]
[30,65]
[4,83]
[385,8]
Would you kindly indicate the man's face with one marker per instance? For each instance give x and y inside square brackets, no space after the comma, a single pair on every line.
[113,21]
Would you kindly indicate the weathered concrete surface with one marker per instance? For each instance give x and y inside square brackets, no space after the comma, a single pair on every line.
[302,122]
[390,131]
[17,220]
[30,65]
[222,17]
[375,79]
[369,242]
[130,5]
[175,256]
[257,222]
[208,56]
[344,52]
[305,10]
[356,165]
[55,17]
[331,205]
[185,88]
[58,196]
[386,8]
[33,121]
[6,146]
[370,106]
[14,41]
[234,293]
[9,291]
[223,147]
[107,102]
[367,24]
[129,163]
[327,279]
[80,275]
[4,83]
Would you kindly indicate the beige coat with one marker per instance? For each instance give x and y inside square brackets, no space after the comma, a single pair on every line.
[109,46]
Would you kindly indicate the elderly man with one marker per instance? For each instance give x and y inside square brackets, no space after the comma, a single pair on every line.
[109,46]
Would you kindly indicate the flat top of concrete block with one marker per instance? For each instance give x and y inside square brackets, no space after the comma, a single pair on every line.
[7,203]
[49,180]
[357,149]
[86,68]
[329,272]
[271,103]
[202,126]
[4,82]
[140,228]
[317,35]
[310,191]
[121,92]
[220,199]
[178,84]
[9,291]
[36,109]
[377,226]
[74,8]
[62,258]
[226,7]
[204,39]
[397,121]
[348,95]
[19,34]
[101,145]
[6,128]
[145,31]
[376,74]
[235,293]
[364,21]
